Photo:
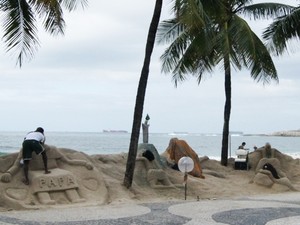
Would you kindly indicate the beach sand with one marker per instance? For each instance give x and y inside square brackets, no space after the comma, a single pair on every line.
[80,180]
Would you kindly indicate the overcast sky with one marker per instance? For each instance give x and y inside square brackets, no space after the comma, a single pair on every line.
[87,81]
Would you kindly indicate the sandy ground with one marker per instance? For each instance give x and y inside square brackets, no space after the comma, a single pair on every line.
[97,180]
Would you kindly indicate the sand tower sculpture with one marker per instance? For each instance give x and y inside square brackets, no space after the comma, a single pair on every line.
[149,164]
[266,161]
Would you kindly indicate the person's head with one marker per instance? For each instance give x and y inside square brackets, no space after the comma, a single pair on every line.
[244,143]
[40,129]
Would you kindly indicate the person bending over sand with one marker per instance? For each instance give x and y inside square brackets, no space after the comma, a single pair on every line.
[33,142]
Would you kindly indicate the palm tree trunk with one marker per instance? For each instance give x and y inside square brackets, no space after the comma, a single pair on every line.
[227,109]
[139,103]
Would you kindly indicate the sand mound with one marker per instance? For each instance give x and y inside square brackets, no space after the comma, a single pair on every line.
[78,179]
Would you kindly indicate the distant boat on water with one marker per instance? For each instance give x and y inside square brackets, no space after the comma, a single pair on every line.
[116,131]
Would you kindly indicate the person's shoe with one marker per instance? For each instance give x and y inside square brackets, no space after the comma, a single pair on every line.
[25,181]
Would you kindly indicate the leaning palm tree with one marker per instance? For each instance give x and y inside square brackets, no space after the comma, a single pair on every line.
[282,30]
[224,39]
[20,23]
[139,102]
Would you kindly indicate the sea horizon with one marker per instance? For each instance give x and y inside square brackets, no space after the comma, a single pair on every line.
[204,144]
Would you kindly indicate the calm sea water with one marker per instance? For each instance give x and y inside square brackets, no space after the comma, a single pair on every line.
[112,143]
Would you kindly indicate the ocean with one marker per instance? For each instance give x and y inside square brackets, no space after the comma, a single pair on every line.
[112,143]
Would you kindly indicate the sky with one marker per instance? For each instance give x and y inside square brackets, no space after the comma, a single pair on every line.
[87,81]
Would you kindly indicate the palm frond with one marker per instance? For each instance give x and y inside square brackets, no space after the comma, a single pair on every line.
[168,30]
[266,10]
[51,14]
[189,12]
[282,30]
[19,29]
[72,4]
[198,57]
[173,53]
[249,50]
[188,54]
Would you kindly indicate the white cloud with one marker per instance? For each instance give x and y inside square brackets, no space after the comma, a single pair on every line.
[87,81]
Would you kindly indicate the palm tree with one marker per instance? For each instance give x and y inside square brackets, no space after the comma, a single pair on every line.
[19,23]
[282,30]
[224,38]
[139,102]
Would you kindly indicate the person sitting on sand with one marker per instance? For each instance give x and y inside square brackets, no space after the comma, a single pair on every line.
[33,142]
[242,146]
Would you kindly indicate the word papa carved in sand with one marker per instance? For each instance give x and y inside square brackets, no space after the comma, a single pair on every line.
[54,183]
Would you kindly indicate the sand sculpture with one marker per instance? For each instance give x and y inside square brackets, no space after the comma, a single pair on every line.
[268,169]
[78,179]
[180,148]
[149,167]
[72,180]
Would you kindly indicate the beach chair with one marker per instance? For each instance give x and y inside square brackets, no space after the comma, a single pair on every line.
[241,160]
